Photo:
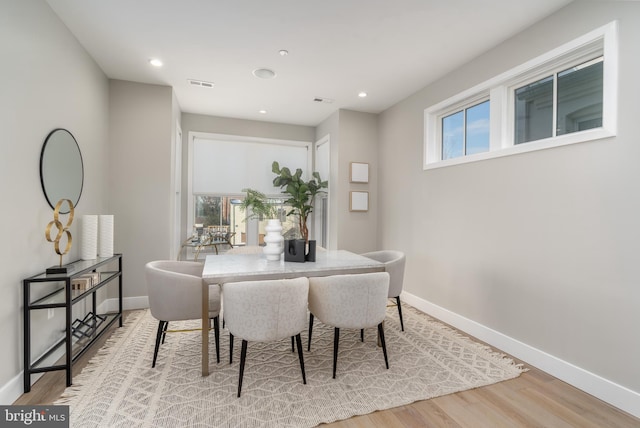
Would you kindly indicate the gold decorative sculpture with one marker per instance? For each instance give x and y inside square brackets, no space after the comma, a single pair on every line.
[62,230]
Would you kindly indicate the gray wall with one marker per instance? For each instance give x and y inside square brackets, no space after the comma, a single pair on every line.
[542,246]
[48,81]
[354,138]
[357,231]
[141,132]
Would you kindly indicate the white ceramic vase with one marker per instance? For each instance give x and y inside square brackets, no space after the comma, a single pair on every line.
[105,235]
[89,237]
[273,239]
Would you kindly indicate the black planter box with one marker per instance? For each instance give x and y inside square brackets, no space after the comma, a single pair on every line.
[295,251]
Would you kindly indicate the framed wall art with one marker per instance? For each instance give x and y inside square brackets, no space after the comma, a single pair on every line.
[358,201]
[359,172]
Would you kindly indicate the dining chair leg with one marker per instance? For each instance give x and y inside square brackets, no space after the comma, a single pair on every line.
[384,345]
[310,330]
[400,312]
[216,333]
[230,348]
[301,357]
[164,332]
[292,344]
[362,335]
[159,334]
[336,339]
[243,357]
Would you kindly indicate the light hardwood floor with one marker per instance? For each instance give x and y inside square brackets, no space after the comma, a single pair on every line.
[534,399]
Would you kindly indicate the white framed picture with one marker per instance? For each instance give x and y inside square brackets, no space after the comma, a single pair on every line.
[359,172]
[359,201]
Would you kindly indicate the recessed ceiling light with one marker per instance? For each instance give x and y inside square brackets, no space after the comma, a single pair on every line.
[283,52]
[155,62]
[362,94]
[264,73]
[262,112]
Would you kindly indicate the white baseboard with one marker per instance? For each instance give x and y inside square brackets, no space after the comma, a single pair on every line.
[606,390]
[12,390]
[128,303]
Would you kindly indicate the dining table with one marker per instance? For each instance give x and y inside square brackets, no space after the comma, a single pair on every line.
[222,269]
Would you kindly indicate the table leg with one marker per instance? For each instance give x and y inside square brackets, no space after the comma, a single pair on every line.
[205,329]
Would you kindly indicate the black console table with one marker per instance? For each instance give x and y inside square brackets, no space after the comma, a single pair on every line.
[79,334]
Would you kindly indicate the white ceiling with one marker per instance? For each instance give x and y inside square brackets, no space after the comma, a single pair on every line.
[337,48]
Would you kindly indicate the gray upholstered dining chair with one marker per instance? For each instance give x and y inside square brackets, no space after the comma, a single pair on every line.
[243,249]
[356,301]
[175,294]
[394,262]
[264,311]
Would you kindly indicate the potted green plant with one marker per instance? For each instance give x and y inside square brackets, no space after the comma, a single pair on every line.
[301,195]
[262,208]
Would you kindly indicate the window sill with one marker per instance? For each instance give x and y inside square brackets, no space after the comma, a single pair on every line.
[547,143]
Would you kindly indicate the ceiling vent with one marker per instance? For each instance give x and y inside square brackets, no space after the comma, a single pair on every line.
[202,83]
[322,100]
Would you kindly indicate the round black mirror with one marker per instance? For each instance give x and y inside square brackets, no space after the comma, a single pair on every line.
[61,168]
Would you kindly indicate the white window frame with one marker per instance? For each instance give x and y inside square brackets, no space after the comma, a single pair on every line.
[456,108]
[500,91]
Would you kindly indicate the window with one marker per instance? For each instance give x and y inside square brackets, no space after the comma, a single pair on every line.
[534,111]
[225,212]
[466,131]
[221,166]
[563,97]
[221,212]
[579,97]
[574,93]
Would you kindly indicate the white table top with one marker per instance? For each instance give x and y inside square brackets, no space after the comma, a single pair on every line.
[219,269]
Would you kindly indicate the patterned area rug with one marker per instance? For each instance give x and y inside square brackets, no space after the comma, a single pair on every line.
[118,388]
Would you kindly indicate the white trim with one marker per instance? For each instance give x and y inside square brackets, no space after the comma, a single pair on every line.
[190,213]
[532,146]
[246,138]
[12,390]
[317,219]
[500,88]
[176,192]
[604,389]
[128,303]
[131,303]
[610,79]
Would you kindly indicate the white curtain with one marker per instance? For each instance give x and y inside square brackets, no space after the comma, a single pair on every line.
[227,167]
